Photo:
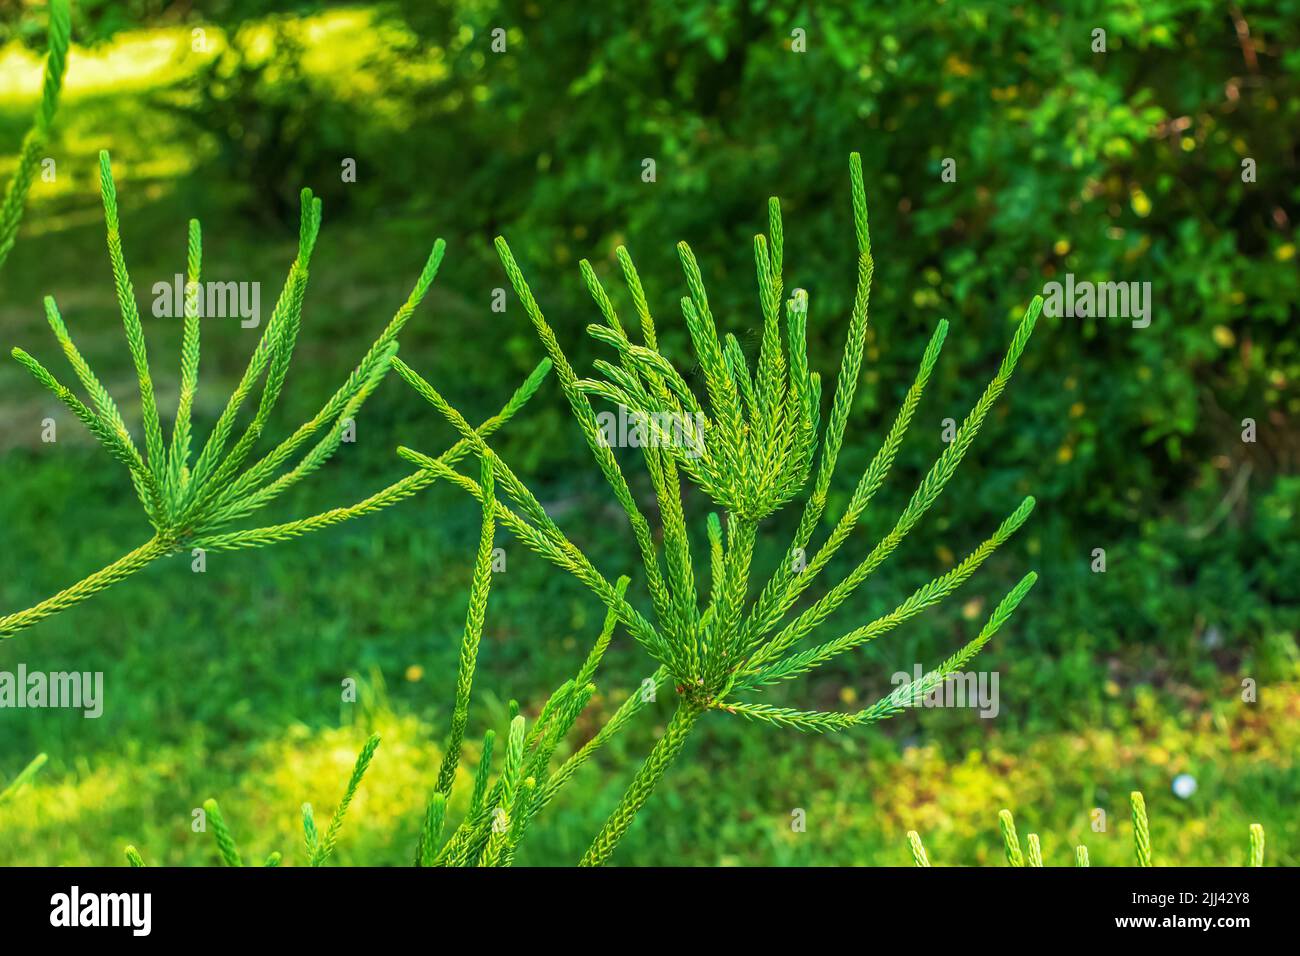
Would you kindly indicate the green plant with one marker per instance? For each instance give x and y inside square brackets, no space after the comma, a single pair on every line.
[319,847]
[1034,856]
[191,507]
[56,62]
[498,815]
[24,777]
[751,453]
[1160,163]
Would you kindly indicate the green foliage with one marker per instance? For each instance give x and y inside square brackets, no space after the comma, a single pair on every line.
[1141,841]
[1141,830]
[750,453]
[904,73]
[1034,855]
[1256,845]
[919,856]
[192,507]
[1143,425]
[1009,839]
[56,61]
[1125,165]
[478,596]
[498,816]
[24,777]
[318,848]
[221,834]
[322,847]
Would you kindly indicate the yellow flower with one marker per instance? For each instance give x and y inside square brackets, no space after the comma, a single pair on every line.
[414,673]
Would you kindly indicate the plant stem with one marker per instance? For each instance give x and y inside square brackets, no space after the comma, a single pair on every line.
[123,567]
[643,784]
[742,535]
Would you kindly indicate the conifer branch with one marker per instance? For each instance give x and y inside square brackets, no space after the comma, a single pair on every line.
[195,507]
[56,62]
[310,835]
[1256,845]
[478,596]
[923,597]
[221,834]
[122,568]
[499,815]
[23,778]
[630,707]
[919,856]
[1010,842]
[1141,830]
[1034,852]
[431,830]
[643,784]
[1033,855]
[756,443]
[325,846]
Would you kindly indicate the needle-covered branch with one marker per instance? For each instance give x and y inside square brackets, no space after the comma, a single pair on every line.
[752,442]
[193,505]
[29,154]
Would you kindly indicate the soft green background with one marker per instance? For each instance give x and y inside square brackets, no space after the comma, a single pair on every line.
[1120,166]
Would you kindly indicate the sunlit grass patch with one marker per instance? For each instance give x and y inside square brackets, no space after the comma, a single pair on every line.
[87,812]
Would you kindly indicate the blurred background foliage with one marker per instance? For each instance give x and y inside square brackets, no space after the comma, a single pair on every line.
[1117,166]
